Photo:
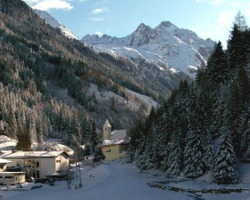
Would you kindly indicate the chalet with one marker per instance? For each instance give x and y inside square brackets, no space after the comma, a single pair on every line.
[115,143]
[38,164]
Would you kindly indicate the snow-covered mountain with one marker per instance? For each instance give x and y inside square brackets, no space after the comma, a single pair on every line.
[55,24]
[166,45]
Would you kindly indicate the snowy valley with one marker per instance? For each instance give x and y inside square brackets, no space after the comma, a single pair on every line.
[158,114]
[123,181]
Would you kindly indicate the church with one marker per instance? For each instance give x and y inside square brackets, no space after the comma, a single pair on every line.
[115,143]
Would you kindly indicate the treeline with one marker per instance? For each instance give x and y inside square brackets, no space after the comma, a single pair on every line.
[204,125]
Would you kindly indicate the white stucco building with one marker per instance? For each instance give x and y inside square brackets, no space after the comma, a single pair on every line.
[39,164]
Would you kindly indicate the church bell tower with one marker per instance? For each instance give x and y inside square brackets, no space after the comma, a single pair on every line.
[106,130]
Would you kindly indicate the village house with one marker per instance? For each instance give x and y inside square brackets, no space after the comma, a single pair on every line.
[10,178]
[38,164]
[115,143]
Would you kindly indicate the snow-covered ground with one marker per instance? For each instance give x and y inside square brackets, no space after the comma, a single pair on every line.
[135,100]
[7,143]
[116,180]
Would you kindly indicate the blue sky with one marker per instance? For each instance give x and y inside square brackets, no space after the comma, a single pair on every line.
[208,18]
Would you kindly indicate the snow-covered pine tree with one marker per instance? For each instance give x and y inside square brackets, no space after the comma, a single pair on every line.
[194,165]
[225,171]
[94,136]
[208,157]
[136,133]
[244,129]
[140,157]
[160,138]
[174,158]
[150,134]
[217,66]
[165,140]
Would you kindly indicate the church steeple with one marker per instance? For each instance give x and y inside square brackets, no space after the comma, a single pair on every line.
[106,130]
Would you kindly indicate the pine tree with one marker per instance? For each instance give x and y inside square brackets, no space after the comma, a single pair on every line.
[240,21]
[232,113]
[140,156]
[208,157]
[217,69]
[194,165]
[174,160]
[225,160]
[94,136]
[12,124]
[24,140]
[98,154]
[244,129]
[136,143]
[237,46]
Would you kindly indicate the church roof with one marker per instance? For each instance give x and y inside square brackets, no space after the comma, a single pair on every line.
[113,142]
[118,135]
[106,123]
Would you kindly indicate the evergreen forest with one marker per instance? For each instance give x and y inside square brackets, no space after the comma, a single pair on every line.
[203,126]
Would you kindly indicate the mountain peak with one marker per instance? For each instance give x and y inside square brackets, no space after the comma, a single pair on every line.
[55,24]
[140,36]
[166,25]
[142,28]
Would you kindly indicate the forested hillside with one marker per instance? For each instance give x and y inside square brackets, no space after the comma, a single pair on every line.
[45,80]
[31,59]
[204,125]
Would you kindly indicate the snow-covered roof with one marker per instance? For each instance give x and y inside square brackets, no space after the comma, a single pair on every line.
[5,152]
[114,142]
[118,135]
[3,161]
[41,154]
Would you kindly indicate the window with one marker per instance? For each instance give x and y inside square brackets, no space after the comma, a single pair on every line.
[58,161]
[37,164]
[37,174]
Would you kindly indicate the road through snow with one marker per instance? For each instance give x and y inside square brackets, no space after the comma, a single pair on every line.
[110,181]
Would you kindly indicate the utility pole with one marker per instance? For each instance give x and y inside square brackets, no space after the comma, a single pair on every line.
[76,174]
[80,178]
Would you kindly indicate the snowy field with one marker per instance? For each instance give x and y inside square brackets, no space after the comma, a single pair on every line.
[119,181]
